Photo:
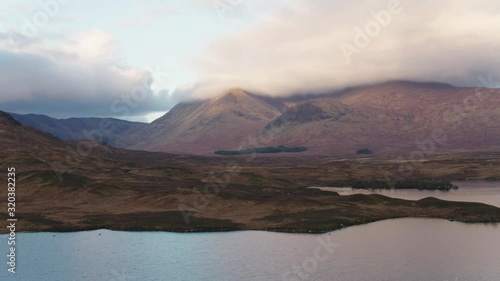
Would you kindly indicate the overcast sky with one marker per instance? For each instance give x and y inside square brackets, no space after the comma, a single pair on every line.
[136,59]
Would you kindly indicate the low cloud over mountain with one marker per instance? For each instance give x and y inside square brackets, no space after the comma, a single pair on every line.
[278,49]
[317,45]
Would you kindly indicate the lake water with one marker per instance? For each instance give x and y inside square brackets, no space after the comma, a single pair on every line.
[401,249]
[472,191]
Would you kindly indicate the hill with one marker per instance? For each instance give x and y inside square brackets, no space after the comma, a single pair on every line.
[106,130]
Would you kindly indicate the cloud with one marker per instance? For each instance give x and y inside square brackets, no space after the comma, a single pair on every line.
[280,48]
[317,45]
[75,75]
[134,22]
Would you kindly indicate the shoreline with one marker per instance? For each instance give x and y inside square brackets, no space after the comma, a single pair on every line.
[341,212]
[286,231]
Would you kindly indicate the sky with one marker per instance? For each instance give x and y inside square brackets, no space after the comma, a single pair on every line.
[137,59]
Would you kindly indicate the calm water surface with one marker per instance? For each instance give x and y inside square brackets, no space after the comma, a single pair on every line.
[472,191]
[402,249]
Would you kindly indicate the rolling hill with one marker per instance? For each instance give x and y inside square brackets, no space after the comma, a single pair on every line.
[106,130]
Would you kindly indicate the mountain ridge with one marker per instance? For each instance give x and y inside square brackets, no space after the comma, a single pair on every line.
[385,117]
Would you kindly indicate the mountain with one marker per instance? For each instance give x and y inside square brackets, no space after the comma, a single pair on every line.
[388,118]
[202,127]
[393,117]
[106,130]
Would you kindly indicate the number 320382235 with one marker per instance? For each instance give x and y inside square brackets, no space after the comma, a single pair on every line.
[11,188]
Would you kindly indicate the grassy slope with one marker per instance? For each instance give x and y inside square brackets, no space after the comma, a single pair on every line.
[134,195]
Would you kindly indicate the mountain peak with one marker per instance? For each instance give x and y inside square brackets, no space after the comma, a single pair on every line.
[235,92]
[232,96]
[218,123]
